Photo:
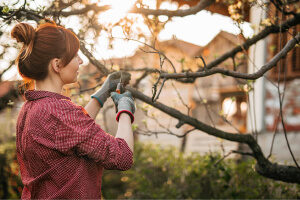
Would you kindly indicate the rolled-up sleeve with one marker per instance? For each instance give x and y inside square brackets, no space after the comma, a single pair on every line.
[77,133]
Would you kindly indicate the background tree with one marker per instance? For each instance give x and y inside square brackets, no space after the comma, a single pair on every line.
[88,28]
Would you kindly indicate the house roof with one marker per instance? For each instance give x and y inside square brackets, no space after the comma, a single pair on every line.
[229,36]
[186,47]
[225,35]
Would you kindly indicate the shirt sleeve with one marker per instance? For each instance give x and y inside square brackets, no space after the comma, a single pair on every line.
[78,133]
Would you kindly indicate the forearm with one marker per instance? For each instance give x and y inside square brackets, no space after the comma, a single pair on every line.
[93,107]
[125,131]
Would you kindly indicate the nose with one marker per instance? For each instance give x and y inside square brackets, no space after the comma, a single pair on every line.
[80,60]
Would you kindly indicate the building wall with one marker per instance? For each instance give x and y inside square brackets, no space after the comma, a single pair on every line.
[291,118]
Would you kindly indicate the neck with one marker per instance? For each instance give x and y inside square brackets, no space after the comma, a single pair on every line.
[49,84]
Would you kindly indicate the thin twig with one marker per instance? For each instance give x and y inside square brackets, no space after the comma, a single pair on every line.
[183,103]
[205,105]
[162,85]
[231,152]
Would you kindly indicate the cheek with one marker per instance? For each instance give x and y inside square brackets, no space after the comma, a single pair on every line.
[75,66]
[69,75]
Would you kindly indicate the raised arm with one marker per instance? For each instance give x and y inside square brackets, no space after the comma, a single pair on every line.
[125,110]
[100,96]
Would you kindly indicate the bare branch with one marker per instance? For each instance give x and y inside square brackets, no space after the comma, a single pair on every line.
[91,58]
[231,152]
[92,7]
[178,13]
[288,47]
[157,96]
[179,96]
[146,69]
[205,105]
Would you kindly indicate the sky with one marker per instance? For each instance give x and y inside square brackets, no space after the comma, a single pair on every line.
[198,29]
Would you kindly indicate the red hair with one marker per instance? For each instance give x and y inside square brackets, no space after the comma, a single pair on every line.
[41,45]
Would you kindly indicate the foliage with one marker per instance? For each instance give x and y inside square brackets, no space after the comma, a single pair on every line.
[165,173]
[10,183]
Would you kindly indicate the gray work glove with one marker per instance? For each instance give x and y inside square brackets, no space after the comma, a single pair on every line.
[124,103]
[110,85]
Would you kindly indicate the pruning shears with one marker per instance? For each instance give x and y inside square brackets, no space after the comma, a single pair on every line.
[120,85]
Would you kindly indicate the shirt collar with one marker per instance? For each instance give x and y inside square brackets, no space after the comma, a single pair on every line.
[31,95]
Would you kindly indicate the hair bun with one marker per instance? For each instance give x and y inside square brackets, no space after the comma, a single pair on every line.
[23,32]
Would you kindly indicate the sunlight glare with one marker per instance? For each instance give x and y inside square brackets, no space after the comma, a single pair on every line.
[119,9]
[229,107]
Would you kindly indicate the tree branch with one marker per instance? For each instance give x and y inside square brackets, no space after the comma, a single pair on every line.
[287,48]
[91,58]
[264,33]
[92,7]
[177,13]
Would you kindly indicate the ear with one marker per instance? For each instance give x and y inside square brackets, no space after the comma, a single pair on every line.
[55,64]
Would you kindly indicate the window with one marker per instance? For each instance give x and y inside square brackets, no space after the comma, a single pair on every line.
[291,63]
[234,106]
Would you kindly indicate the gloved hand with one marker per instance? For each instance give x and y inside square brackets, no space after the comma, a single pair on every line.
[110,85]
[124,103]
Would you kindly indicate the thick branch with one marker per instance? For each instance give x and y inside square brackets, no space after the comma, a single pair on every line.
[287,48]
[19,13]
[200,6]
[29,14]
[264,167]
[91,58]
[179,13]
[264,33]
[87,8]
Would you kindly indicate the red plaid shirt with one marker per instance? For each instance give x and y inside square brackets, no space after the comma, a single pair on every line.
[62,151]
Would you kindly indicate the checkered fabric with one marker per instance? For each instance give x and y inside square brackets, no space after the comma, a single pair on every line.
[62,151]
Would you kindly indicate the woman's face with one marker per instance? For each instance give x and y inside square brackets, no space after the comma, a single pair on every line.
[70,72]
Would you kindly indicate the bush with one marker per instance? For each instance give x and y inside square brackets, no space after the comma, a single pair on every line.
[10,183]
[167,174]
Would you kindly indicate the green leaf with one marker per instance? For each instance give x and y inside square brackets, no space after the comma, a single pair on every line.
[134,127]
[5,10]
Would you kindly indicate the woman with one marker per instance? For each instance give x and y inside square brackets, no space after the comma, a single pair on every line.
[60,149]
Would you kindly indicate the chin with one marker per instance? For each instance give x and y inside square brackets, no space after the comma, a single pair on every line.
[71,82]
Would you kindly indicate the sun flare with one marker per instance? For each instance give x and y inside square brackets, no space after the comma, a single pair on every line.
[122,6]
[119,9]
